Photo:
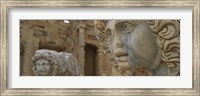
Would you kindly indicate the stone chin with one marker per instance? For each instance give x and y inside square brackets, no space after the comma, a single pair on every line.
[122,62]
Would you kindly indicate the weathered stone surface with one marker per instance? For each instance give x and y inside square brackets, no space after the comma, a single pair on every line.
[52,63]
[139,47]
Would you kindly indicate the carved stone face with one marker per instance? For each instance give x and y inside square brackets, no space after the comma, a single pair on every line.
[132,43]
[42,67]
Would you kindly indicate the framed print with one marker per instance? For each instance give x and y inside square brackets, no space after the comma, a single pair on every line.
[104,47]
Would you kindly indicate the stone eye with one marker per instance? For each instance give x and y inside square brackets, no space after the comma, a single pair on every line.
[127,27]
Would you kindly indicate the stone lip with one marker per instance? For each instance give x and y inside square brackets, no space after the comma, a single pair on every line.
[122,61]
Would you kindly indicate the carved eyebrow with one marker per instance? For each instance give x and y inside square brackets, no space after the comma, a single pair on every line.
[123,21]
[110,25]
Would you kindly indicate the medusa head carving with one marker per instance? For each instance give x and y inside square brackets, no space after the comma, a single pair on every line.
[52,63]
[153,45]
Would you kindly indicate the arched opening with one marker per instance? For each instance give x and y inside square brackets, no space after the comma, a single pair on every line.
[90,60]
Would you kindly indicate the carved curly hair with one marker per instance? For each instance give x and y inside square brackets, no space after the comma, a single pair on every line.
[167,34]
[47,55]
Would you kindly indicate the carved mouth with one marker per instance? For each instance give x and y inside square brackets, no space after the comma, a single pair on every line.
[122,61]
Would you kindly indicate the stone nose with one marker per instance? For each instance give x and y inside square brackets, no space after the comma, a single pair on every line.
[119,49]
[40,68]
[119,44]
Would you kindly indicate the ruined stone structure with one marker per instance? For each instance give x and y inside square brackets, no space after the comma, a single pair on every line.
[141,47]
[52,63]
[133,47]
[76,37]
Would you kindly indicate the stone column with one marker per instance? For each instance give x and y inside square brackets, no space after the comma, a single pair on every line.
[98,61]
[81,53]
[31,44]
